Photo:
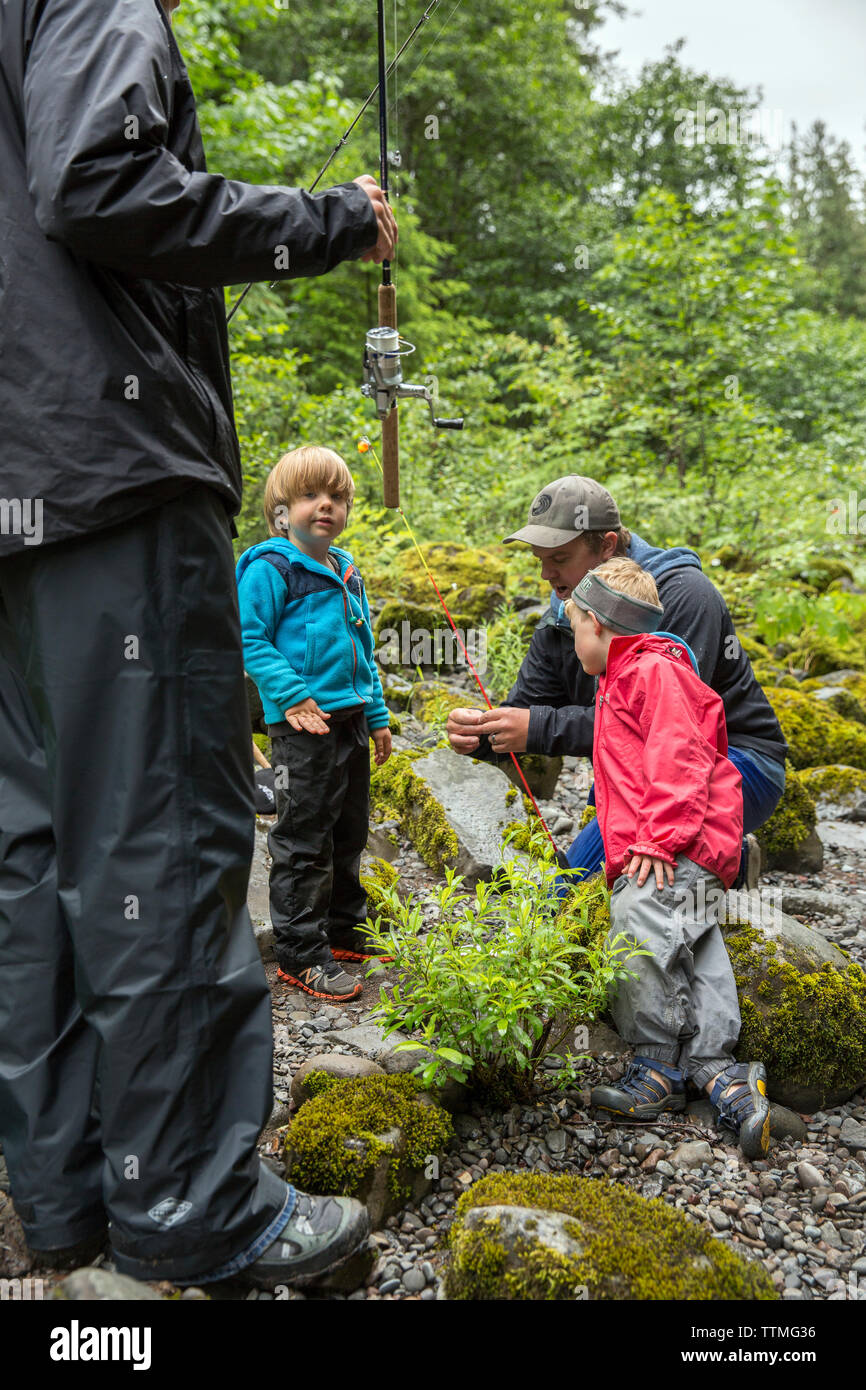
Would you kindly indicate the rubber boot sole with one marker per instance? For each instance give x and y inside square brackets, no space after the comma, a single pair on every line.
[754,1134]
[317,994]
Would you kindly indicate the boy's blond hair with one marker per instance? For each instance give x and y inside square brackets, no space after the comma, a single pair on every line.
[310,468]
[625,575]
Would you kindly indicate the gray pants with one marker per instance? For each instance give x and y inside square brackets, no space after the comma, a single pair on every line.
[682,1008]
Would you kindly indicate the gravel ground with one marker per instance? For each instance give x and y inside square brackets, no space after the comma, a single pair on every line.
[802,1212]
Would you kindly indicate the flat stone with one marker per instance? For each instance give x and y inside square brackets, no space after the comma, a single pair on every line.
[103,1286]
[809,1176]
[335,1064]
[414,1281]
[557,1142]
[472,797]
[692,1154]
[786,1124]
[853,1133]
[719,1219]
[368,1039]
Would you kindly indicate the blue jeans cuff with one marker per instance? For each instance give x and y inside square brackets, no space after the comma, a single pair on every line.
[258,1247]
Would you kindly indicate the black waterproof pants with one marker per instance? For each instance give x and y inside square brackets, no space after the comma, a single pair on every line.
[135,1023]
[322,783]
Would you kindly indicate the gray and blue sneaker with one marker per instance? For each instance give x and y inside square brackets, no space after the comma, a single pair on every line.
[320,1234]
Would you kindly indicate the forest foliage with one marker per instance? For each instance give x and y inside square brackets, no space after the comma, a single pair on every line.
[606,275]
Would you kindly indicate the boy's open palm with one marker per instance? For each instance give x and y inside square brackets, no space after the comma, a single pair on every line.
[306,717]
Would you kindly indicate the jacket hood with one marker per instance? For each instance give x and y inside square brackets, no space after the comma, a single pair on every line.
[291,552]
[653,558]
[623,651]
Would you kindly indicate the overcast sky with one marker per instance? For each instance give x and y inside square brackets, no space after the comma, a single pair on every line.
[809,56]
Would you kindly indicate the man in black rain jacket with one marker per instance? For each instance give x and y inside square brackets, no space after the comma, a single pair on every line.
[135,1030]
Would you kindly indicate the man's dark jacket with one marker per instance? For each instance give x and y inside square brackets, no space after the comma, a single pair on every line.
[114,244]
[554,686]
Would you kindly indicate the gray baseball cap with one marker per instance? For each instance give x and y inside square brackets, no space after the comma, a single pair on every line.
[566,508]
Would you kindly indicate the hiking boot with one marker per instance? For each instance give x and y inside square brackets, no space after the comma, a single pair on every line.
[355,945]
[321,1232]
[753,863]
[747,1109]
[324,982]
[638,1095]
[69,1257]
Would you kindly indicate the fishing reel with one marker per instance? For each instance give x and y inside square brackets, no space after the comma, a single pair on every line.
[383,376]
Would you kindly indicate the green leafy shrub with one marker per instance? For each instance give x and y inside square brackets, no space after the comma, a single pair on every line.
[507,644]
[500,980]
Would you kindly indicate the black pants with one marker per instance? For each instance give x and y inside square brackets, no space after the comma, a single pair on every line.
[322,783]
[135,1026]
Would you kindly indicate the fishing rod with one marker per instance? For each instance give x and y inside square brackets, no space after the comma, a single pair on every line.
[384,348]
[348,131]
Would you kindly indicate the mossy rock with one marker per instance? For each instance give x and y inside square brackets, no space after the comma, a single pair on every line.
[433,701]
[816,735]
[541,771]
[557,1238]
[414,634]
[397,793]
[803,1010]
[785,836]
[755,650]
[263,743]
[454,567]
[771,677]
[836,790]
[369,1137]
[378,882]
[841,701]
[820,571]
[818,655]
[396,692]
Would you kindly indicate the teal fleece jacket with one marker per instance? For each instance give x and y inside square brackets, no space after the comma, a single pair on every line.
[306,632]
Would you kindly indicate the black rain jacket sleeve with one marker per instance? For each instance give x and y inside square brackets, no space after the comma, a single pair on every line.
[98,87]
[548,681]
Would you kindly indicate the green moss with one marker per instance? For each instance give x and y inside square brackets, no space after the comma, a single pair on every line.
[263,743]
[511,796]
[398,695]
[844,702]
[586,911]
[819,655]
[809,1025]
[362,1108]
[835,781]
[632,1248]
[377,883]
[816,735]
[396,793]
[433,703]
[463,574]
[770,677]
[819,572]
[589,813]
[755,650]
[426,619]
[793,820]
[395,725]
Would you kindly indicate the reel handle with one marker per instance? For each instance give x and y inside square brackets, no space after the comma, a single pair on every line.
[447,424]
[390,427]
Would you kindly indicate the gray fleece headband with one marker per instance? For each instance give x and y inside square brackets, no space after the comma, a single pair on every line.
[620,612]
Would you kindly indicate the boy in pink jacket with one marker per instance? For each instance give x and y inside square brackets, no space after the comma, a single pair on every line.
[670,815]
